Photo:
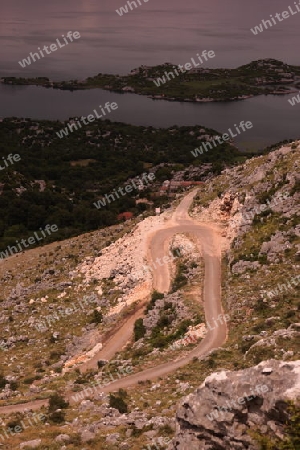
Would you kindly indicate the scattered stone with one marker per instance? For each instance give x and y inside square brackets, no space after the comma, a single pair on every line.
[32,444]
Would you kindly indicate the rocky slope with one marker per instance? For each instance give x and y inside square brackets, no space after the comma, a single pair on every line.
[257,206]
[228,406]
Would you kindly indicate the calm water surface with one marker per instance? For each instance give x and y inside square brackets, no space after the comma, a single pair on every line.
[155,32]
[273,118]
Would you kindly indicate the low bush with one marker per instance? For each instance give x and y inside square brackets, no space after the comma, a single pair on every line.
[139,330]
[118,401]
[56,401]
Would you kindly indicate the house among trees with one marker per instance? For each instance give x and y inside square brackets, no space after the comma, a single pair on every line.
[125,215]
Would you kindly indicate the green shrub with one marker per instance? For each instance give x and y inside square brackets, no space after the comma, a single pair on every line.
[180,279]
[56,401]
[164,321]
[2,381]
[295,188]
[80,380]
[155,296]
[57,417]
[55,356]
[166,429]
[117,401]
[160,340]
[101,364]
[291,440]
[97,317]
[29,380]
[168,305]
[261,354]
[176,251]
[14,385]
[139,330]
[144,351]
[137,432]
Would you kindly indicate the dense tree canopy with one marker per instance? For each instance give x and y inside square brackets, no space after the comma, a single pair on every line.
[58,180]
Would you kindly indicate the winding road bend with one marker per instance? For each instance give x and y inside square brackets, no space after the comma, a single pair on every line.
[208,241]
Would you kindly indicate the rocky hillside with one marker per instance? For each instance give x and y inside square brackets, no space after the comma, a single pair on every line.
[257,204]
[61,302]
[234,410]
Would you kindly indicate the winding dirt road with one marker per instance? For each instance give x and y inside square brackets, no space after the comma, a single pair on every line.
[208,241]
[207,237]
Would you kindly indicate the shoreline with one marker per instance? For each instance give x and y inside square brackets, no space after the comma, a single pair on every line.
[262,77]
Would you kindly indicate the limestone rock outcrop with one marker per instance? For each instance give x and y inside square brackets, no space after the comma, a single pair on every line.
[219,415]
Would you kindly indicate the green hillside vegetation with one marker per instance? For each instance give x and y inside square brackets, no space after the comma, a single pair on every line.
[80,169]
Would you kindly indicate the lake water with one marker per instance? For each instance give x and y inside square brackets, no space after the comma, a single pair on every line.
[155,32]
[273,118]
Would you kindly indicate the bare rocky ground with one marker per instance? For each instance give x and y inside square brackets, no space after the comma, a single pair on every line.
[261,253]
[124,262]
[229,406]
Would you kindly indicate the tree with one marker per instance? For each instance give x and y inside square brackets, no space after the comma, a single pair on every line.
[139,329]
[56,401]
[117,401]
[97,317]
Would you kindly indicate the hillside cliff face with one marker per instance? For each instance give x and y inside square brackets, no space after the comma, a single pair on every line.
[228,406]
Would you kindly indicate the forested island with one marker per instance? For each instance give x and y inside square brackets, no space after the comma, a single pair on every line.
[262,77]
